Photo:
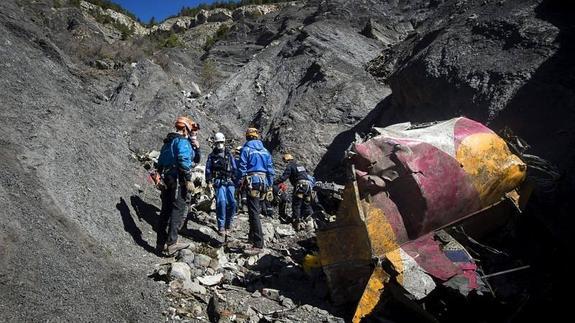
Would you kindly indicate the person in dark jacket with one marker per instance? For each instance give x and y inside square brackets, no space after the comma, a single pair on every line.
[174,166]
[221,172]
[302,189]
[257,172]
[196,145]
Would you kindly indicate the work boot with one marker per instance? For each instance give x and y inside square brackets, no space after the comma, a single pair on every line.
[223,233]
[229,237]
[173,248]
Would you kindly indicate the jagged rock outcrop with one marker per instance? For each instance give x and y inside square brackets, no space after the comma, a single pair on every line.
[120,18]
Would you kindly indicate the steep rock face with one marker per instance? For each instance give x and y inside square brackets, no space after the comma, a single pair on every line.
[115,16]
[63,250]
[307,89]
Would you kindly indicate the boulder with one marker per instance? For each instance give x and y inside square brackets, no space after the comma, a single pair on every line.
[219,15]
[180,271]
[194,287]
[271,293]
[201,260]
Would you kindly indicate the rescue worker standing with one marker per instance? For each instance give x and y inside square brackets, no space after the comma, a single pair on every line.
[257,172]
[221,173]
[193,137]
[302,189]
[174,166]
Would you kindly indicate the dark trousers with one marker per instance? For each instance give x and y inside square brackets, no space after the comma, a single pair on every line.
[299,205]
[282,203]
[255,235]
[172,215]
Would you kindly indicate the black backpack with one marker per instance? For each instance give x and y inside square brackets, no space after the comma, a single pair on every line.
[221,165]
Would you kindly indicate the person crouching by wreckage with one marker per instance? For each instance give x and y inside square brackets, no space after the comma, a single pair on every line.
[257,175]
[221,172]
[302,185]
[174,178]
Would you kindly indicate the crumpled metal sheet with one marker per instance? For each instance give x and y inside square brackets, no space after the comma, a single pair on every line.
[445,172]
[409,182]
[428,254]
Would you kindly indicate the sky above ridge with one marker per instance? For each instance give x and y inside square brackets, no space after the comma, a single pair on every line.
[159,9]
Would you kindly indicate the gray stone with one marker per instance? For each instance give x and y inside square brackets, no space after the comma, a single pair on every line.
[268,231]
[214,264]
[287,302]
[201,260]
[180,271]
[229,276]
[185,253]
[284,230]
[219,15]
[194,287]
[196,272]
[270,293]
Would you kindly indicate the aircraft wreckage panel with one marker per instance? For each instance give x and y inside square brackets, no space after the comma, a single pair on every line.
[409,183]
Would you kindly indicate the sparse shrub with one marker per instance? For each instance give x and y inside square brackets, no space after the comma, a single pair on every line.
[172,41]
[209,73]
[126,31]
[220,34]
[106,4]
[56,4]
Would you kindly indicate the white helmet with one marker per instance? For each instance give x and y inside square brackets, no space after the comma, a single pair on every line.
[219,137]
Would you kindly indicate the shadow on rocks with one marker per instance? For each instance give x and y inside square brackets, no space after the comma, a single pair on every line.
[197,235]
[331,166]
[131,227]
[291,282]
[147,212]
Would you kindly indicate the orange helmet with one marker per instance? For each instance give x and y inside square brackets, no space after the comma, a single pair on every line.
[252,133]
[185,122]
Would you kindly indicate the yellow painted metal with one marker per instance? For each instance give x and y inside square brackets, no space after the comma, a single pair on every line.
[394,257]
[311,261]
[348,241]
[371,294]
[494,170]
[381,235]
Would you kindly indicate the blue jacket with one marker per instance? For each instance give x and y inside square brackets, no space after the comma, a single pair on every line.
[255,158]
[176,154]
[226,172]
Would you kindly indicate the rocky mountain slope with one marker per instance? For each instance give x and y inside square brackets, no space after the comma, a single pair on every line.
[81,95]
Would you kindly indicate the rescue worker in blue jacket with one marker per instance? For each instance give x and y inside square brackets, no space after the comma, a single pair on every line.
[257,172]
[221,172]
[302,189]
[174,166]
